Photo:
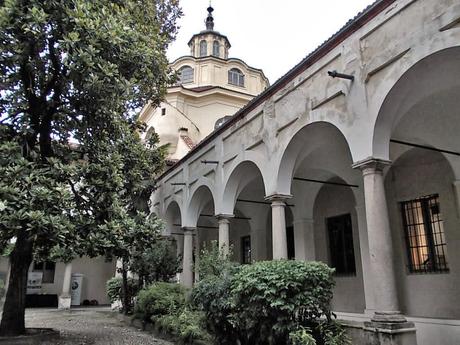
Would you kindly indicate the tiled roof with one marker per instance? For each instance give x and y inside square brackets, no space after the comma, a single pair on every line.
[188,141]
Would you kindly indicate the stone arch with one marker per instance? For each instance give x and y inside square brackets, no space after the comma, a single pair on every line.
[172,216]
[240,174]
[200,197]
[430,87]
[308,139]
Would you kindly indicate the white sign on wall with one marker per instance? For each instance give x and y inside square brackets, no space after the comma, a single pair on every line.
[34,283]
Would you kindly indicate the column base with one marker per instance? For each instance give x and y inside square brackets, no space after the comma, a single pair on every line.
[64,302]
[389,328]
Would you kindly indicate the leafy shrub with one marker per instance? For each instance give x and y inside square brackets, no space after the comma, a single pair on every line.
[212,295]
[160,299]
[187,326]
[160,262]
[271,302]
[272,298]
[213,262]
[114,289]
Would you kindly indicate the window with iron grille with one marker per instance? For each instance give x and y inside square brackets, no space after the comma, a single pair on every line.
[246,250]
[341,249]
[425,239]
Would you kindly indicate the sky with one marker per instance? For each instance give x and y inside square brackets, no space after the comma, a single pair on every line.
[268,34]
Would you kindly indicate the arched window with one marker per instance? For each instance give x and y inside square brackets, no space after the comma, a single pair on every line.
[216,48]
[203,48]
[235,77]
[185,75]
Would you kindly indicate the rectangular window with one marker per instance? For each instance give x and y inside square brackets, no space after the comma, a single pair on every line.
[163,111]
[342,253]
[425,240]
[48,268]
[246,250]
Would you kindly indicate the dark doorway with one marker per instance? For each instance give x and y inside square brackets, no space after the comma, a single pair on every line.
[342,254]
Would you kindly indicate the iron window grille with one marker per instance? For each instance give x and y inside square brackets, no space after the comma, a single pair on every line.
[342,254]
[425,239]
[246,250]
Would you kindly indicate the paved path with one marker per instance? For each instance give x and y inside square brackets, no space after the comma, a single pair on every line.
[88,327]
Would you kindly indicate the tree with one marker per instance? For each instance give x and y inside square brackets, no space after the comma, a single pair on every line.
[75,72]
[160,262]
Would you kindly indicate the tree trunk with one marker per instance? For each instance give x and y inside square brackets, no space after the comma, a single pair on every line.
[13,322]
[125,301]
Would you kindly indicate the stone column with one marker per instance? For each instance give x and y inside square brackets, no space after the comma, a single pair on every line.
[278,203]
[65,297]
[197,256]
[380,243]
[304,239]
[456,186]
[224,233]
[365,259]
[187,259]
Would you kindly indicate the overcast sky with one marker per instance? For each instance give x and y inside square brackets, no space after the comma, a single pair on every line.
[268,34]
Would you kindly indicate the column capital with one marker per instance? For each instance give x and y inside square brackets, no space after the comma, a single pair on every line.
[371,164]
[188,230]
[224,218]
[278,197]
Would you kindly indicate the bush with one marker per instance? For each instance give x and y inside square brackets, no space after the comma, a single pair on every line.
[213,262]
[114,289]
[187,326]
[160,299]
[272,302]
[212,295]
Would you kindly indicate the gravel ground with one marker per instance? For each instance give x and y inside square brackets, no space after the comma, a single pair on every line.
[88,327]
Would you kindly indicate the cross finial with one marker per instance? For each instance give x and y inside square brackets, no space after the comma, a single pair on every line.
[210,18]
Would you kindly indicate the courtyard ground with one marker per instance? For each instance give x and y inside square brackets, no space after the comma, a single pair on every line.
[92,326]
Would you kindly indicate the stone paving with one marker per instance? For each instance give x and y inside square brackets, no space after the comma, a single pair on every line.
[92,326]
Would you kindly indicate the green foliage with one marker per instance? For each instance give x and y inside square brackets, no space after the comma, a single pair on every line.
[160,299]
[270,302]
[159,262]
[213,261]
[187,326]
[114,289]
[74,173]
[301,336]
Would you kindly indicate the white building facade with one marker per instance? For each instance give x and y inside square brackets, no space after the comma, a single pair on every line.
[359,168]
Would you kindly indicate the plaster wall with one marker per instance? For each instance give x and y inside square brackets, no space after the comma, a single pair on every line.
[335,201]
[415,174]
[96,273]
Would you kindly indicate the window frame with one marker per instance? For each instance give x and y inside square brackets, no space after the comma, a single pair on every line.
[216,48]
[428,236]
[246,256]
[236,77]
[44,267]
[191,76]
[346,253]
[203,48]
